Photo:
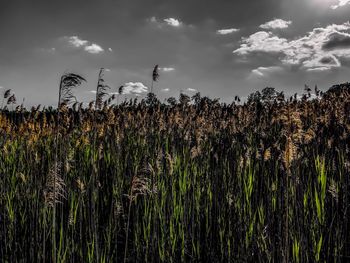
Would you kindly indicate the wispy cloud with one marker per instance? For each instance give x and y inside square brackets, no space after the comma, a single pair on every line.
[88,46]
[50,50]
[340,4]
[153,19]
[167,22]
[172,22]
[319,69]
[265,71]
[276,24]
[165,90]
[191,90]
[227,31]
[257,72]
[319,49]
[167,69]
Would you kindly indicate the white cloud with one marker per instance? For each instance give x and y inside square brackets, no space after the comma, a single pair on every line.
[257,72]
[110,49]
[77,42]
[191,90]
[264,71]
[165,90]
[89,47]
[319,49]
[93,91]
[134,88]
[1,87]
[312,96]
[320,69]
[227,31]
[172,22]
[340,4]
[93,49]
[276,24]
[167,69]
[161,23]
[262,42]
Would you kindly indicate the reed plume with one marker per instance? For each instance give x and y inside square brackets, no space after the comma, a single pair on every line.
[68,82]
[101,90]
[54,191]
[155,76]
[140,186]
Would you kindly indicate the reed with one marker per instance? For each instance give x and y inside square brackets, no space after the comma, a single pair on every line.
[194,180]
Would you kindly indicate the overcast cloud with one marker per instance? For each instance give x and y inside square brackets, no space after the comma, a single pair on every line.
[220,48]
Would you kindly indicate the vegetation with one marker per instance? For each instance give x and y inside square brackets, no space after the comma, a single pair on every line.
[192,180]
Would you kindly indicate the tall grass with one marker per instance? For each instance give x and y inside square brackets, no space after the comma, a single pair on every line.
[263,181]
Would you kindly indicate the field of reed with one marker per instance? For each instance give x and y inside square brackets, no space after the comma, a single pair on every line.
[190,180]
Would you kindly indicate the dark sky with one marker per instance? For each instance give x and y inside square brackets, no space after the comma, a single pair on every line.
[220,48]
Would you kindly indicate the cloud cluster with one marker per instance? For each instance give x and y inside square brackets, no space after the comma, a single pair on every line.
[276,24]
[227,31]
[134,88]
[340,4]
[89,47]
[261,42]
[318,50]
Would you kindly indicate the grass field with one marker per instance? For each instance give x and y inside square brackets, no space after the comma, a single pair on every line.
[193,180]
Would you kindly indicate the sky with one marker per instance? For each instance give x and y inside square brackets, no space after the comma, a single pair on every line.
[220,48]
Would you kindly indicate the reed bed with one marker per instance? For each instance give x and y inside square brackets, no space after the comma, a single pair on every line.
[193,181]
